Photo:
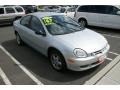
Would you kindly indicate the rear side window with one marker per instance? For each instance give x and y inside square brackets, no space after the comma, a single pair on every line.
[98,9]
[83,8]
[10,10]
[1,10]
[112,10]
[25,21]
[19,9]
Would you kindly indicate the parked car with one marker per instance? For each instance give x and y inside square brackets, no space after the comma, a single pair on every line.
[99,15]
[69,11]
[51,8]
[62,40]
[29,8]
[8,14]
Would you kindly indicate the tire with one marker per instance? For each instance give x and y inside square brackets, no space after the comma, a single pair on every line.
[57,60]
[83,23]
[19,40]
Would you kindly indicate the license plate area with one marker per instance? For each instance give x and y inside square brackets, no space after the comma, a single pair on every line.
[101,59]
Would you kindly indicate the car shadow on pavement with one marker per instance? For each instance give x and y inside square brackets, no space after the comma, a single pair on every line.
[40,66]
[6,25]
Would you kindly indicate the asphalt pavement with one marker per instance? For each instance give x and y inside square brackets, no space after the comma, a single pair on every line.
[38,65]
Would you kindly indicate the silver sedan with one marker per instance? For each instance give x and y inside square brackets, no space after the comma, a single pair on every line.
[62,40]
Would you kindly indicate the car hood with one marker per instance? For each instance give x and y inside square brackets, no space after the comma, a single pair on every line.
[86,39]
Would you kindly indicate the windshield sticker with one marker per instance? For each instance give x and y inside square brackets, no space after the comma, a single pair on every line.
[48,20]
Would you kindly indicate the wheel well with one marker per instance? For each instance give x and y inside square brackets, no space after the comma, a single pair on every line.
[52,48]
[82,19]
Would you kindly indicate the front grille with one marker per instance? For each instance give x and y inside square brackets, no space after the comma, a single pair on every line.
[98,52]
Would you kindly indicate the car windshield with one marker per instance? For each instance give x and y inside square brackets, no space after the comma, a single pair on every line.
[60,24]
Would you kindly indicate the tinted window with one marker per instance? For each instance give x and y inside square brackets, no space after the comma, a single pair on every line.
[25,21]
[36,24]
[1,10]
[83,9]
[98,9]
[10,10]
[112,10]
[18,9]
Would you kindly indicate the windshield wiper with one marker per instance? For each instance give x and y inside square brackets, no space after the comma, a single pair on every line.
[72,24]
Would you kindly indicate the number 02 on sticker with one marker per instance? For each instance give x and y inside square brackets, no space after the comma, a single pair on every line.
[48,20]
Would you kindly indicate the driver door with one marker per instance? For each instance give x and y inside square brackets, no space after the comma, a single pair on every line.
[38,41]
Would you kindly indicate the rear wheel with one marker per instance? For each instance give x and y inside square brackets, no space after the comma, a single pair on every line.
[57,60]
[18,39]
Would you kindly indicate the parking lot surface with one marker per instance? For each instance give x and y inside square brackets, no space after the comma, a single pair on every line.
[38,65]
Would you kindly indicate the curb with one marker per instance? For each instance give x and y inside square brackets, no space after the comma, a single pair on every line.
[103,72]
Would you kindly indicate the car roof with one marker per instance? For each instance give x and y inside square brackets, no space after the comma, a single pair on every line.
[44,14]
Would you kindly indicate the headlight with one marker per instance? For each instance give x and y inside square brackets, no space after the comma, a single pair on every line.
[79,53]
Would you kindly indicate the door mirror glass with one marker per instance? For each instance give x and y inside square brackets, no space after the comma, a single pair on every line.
[40,33]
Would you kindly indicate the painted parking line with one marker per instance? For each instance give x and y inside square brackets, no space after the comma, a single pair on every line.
[109,59]
[4,77]
[22,67]
[114,53]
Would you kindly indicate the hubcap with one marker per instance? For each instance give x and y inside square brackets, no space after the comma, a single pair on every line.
[82,23]
[56,62]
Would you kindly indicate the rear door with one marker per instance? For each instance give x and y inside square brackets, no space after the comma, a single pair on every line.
[24,28]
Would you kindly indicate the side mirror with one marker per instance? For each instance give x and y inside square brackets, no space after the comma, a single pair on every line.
[40,33]
[118,13]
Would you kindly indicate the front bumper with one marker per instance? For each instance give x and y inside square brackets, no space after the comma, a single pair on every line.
[81,64]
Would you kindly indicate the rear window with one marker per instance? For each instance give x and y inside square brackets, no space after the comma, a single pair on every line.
[1,10]
[10,10]
[19,9]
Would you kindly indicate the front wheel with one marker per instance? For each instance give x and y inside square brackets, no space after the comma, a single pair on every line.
[83,23]
[57,60]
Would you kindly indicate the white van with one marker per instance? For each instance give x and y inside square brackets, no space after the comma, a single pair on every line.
[8,14]
[99,15]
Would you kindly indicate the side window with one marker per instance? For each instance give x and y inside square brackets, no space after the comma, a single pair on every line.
[19,9]
[112,10]
[83,9]
[98,9]
[10,10]
[25,21]
[1,10]
[36,25]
